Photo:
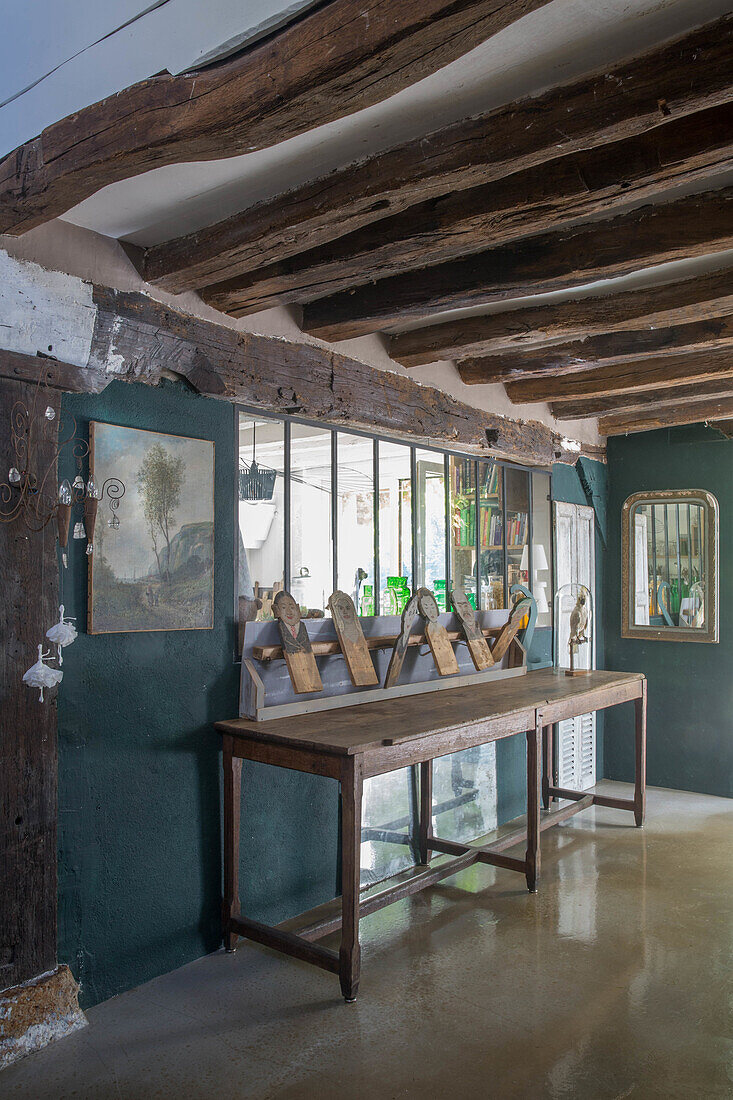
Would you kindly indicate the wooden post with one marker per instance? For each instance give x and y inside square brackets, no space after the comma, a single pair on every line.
[28,765]
[547,752]
[232,811]
[534,765]
[640,770]
[350,952]
[426,809]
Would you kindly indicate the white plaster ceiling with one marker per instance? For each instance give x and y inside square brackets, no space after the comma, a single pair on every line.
[558,43]
[57,56]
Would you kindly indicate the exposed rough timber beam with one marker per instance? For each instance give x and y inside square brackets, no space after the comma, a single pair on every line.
[339,58]
[592,182]
[109,335]
[690,74]
[692,412]
[692,226]
[701,298]
[637,402]
[638,374]
[602,351]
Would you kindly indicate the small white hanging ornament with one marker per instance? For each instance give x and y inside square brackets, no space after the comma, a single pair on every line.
[62,633]
[40,675]
[79,532]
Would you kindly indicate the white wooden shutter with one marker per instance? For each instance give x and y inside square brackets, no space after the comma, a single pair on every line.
[575,564]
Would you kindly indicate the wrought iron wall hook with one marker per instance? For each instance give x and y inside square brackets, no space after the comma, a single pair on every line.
[26,496]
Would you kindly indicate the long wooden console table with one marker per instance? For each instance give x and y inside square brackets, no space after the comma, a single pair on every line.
[353,743]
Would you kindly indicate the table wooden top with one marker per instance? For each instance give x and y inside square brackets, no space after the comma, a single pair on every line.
[350,730]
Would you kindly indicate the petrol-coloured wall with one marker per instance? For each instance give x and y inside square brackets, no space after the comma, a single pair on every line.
[139,762]
[690,686]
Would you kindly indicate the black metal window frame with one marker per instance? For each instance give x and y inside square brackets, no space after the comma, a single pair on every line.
[413,447]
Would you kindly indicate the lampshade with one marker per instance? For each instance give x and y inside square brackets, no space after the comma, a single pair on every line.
[539,558]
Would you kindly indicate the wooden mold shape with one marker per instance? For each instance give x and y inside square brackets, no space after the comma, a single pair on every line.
[297,650]
[352,640]
[436,634]
[511,629]
[396,661]
[478,647]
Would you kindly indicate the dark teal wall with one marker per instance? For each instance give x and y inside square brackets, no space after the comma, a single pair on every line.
[690,685]
[511,754]
[139,762]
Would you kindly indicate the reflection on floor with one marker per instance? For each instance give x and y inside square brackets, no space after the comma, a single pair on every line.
[613,981]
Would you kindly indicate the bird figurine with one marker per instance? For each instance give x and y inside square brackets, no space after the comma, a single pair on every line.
[578,627]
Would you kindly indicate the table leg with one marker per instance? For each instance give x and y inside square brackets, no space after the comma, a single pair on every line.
[534,769]
[232,808]
[547,779]
[640,771]
[426,809]
[350,952]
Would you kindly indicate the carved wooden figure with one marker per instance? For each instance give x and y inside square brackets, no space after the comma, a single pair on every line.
[396,661]
[436,634]
[352,640]
[296,645]
[478,647]
[511,629]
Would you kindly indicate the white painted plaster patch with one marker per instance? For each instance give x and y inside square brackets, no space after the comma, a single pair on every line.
[45,311]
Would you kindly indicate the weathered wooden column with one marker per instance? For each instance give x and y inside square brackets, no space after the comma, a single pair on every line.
[33,990]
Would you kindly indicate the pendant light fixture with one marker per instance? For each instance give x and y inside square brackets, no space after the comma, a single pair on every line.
[256,482]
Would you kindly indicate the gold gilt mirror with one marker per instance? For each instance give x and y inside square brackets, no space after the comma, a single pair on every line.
[669,566]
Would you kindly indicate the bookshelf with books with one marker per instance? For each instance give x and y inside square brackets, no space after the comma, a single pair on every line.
[491,536]
[463,525]
[517,488]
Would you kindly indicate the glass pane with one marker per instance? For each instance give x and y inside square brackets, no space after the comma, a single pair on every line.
[491,535]
[541,584]
[464,794]
[261,509]
[516,487]
[395,526]
[463,525]
[355,518]
[387,824]
[311,560]
[430,533]
[668,581]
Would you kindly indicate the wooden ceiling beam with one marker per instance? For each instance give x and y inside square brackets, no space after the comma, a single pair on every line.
[658,397]
[701,298]
[631,377]
[591,183]
[601,351]
[690,74]
[330,62]
[692,412]
[693,226]
[129,337]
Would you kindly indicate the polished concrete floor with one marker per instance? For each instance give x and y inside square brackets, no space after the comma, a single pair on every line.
[614,981]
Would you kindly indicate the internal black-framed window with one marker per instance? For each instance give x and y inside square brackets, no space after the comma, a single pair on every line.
[325,507]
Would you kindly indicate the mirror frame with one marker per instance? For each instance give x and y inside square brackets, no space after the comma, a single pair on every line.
[709,633]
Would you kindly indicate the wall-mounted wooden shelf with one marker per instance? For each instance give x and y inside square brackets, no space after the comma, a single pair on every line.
[383,641]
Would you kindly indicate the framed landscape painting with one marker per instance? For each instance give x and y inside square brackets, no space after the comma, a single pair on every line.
[156,570]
